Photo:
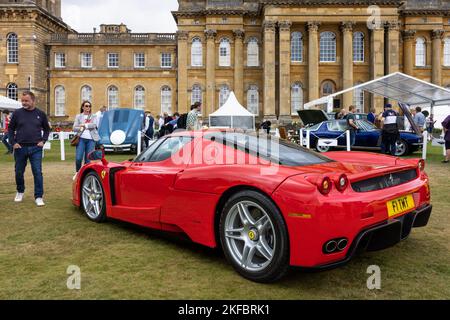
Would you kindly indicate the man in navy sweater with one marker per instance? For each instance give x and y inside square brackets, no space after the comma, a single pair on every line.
[28,132]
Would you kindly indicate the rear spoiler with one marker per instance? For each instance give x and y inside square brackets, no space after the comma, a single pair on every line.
[380,172]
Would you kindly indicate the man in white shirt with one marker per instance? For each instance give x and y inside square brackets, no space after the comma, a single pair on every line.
[100,115]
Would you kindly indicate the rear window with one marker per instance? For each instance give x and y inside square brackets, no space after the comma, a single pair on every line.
[269,148]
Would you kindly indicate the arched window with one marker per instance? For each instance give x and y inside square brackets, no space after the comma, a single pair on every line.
[197,53]
[327,47]
[296,47]
[421,52]
[113,97]
[296,98]
[253,100]
[358,99]
[447,52]
[166,100]
[60,101]
[12,91]
[225,53]
[358,47]
[196,95]
[328,88]
[224,94]
[12,44]
[253,53]
[86,93]
[139,98]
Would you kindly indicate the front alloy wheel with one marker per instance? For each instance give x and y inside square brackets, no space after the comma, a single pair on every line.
[93,198]
[323,149]
[254,237]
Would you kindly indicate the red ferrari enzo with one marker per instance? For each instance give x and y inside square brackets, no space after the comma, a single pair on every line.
[268,203]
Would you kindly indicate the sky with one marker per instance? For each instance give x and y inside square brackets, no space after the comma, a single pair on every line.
[140,16]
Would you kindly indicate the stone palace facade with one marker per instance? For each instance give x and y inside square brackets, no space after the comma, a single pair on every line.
[275,55]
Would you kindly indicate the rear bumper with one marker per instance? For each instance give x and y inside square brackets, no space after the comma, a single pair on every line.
[384,235]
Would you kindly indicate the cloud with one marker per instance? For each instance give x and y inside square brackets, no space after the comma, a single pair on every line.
[138,15]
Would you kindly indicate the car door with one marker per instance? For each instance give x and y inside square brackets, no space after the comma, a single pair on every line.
[367,136]
[142,187]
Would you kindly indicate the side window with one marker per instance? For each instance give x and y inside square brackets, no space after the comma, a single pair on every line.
[146,155]
[168,148]
[333,126]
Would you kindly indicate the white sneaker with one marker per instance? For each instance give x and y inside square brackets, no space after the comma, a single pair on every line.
[40,202]
[19,197]
[75,176]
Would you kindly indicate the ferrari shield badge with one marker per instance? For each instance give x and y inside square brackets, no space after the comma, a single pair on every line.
[103,174]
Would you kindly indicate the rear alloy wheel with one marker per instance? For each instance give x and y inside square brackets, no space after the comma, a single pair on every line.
[323,149]
[401,148]
[93,198]
[254,237]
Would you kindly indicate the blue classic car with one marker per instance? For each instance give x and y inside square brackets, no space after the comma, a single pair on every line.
[368,136]
[126,122]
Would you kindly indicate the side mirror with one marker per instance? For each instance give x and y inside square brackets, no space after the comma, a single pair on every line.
[98,154]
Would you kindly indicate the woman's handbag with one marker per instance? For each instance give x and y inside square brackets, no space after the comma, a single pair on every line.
[76,140]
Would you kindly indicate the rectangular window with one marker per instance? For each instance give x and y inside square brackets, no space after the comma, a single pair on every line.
[139,60]
[86,60]
[60,60]
[113,60]
[166,60]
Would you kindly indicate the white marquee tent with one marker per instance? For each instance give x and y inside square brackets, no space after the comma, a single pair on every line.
[9,104]
[232,115]
[396,86]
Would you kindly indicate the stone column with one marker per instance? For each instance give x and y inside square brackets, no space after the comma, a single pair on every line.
[239,65]
[408,54]
[313,60]
[182,37]
[377,61]
[210,102]
[393,54]
[347,61]
[269,70]
[437,36]
[285,71]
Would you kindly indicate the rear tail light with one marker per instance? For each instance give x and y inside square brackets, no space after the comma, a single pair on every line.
[422,165]
[342,183]
[325,186]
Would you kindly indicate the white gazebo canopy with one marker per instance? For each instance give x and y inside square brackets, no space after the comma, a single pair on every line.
[396,86]
[9,104]
[232,115]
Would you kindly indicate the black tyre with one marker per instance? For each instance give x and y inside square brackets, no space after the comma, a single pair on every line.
[93,198]
[254,237]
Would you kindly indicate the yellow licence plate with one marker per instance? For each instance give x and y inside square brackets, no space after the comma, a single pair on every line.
[400,205]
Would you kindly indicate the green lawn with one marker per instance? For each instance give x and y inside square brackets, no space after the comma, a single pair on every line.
[119,261]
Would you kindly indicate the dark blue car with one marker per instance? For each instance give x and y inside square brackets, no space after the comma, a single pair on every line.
[129,121]
[368,136]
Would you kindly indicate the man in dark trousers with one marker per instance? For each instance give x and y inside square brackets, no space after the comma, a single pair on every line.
[28,132]
[149,130]
[390,133]
[351,125]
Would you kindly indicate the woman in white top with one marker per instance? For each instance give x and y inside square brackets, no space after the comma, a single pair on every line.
[86,123]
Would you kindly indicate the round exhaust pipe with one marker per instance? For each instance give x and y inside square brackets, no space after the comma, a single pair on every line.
[331,246]
[342,244]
